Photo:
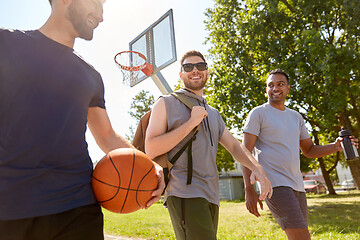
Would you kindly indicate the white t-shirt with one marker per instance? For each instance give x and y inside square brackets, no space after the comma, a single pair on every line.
[277,147]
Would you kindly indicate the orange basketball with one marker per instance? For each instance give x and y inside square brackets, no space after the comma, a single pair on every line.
[123,180]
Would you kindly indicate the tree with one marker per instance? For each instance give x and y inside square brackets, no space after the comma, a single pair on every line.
[140,105]
[316,41]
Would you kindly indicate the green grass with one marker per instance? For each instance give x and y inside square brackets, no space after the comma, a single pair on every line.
[330,217]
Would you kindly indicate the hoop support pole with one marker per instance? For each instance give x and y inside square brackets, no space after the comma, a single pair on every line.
[161,83]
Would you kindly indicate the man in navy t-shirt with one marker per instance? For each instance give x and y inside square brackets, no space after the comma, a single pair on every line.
[48,94]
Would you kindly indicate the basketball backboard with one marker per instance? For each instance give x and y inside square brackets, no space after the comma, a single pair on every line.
[157,44]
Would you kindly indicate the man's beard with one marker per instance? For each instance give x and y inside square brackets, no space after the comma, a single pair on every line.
[195,85]
[79,22]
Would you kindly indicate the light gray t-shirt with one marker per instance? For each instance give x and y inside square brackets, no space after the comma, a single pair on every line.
[205,177]
[277,147]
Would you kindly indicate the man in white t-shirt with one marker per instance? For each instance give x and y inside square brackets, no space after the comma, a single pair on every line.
[276,133]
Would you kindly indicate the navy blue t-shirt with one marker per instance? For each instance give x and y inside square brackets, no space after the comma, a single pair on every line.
[45,92]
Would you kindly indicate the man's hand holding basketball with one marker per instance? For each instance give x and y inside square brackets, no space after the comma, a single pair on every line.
[156,195]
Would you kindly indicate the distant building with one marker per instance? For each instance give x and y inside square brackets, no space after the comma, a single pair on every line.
[343,173]
[231,184]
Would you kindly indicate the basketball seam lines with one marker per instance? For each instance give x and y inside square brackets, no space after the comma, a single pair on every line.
[127,192]
[122,188]
[140,184]
[112,162]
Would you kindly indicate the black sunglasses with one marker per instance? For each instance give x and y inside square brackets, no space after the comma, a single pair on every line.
[188,67]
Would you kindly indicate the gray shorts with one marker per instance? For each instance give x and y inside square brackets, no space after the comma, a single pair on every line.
[288,207]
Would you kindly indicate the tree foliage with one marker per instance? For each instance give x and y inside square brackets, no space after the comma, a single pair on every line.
[141,104]
[224,160]
[317,42]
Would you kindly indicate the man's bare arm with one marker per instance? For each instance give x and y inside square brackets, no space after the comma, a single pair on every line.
[105,136]
[251,197]
[311,150]
[158,141]
[242,155]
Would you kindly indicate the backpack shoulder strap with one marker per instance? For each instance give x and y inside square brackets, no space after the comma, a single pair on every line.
[183,99]
[187,102]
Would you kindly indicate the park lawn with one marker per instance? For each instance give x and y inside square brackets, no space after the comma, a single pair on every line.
[330,217]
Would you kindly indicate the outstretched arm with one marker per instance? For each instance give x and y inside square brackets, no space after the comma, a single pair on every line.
[242,155]
[310,150]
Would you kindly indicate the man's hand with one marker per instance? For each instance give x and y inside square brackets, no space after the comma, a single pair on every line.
[355,141]
[338,141]
[251,200]
[259,174]
[156,195]
[198,113]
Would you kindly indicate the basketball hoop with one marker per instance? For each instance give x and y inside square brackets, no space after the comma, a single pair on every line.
[130,64]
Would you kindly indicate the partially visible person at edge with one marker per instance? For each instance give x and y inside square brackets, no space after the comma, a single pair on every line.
[194,207]
[48,94]
[276,134]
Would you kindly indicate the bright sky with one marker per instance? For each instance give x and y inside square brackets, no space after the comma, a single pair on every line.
[123,21]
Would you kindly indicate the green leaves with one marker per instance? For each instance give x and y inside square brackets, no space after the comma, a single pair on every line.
[317,42]
[142,103]
[312,40]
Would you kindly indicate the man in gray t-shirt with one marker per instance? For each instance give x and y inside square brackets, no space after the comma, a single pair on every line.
[277,148]
[275,134]
[193,206]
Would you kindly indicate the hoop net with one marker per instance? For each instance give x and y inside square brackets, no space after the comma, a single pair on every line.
[130,64]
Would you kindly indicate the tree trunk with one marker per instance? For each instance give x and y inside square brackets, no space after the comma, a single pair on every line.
[324,171]
[326,177]
[355,171]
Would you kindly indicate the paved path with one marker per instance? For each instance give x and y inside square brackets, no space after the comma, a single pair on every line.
[109,237]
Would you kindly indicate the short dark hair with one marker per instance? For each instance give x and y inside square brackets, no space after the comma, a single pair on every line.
[191,54]
[50,1]
[279,71]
